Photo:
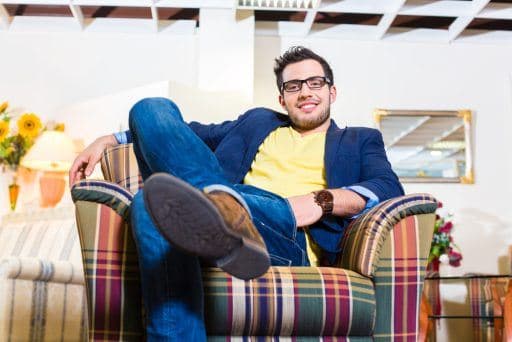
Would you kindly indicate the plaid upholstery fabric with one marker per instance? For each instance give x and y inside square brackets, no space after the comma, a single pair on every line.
[119,165]
[369,231]
[289,339]
[289,301]
[98,191]
[486,296]
[312,302]
[111,274]
[399,278]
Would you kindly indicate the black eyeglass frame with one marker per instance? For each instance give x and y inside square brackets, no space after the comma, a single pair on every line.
[324,79]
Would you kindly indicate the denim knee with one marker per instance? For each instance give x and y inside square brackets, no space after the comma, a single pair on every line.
[149,107]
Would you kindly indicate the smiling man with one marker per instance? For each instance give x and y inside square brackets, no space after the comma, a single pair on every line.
[264,189]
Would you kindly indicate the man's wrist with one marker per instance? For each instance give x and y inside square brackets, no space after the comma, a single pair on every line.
[325,200]
[109,140]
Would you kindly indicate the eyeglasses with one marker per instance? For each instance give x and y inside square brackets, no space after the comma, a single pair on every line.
[315,82]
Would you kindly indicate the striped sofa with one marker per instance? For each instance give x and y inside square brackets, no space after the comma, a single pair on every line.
[42,293]
[372,294]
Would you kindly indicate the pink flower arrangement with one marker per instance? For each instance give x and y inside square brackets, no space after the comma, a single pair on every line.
[443,249]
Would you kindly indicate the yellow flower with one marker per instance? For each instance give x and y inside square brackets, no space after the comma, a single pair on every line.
[4,106]
[4,129]
[29,125]
[60,127]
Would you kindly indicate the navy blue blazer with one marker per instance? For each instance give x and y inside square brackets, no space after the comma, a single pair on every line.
[354,156]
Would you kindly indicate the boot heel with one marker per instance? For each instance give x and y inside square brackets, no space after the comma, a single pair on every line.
[247,262]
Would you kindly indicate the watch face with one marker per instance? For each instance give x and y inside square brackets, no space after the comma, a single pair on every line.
[325,196]
[325,199]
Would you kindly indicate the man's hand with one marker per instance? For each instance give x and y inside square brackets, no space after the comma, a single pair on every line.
[305,209]
[86,161]
[347,203]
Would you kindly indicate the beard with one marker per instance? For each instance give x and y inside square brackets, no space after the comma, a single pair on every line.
[307,124]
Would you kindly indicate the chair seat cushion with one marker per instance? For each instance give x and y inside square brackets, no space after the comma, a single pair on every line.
[290,301]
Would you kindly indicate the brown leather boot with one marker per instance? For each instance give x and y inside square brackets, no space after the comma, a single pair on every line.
[214,226]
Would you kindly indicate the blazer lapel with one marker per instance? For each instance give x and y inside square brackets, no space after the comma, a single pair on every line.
[336,163]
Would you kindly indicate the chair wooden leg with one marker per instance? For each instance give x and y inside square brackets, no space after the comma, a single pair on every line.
[426,325]
[507,314]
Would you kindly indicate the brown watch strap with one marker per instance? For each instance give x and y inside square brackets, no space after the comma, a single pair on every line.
[325,200]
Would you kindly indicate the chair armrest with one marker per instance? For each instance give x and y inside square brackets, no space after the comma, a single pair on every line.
[103,192]
[363,241]
[41,270]
[109,260]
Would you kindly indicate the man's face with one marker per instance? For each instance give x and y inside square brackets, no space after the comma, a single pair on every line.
[309,109]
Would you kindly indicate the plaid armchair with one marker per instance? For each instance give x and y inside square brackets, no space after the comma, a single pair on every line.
[372,293]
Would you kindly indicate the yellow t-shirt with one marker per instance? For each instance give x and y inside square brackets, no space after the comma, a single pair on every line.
[289,164]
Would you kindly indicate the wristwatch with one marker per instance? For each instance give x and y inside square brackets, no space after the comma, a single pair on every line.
[325,200]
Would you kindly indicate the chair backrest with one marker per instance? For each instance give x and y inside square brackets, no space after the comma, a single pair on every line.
[119,165]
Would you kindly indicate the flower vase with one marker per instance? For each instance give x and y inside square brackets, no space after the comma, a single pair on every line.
[433,267]
[14,190]
[433,291]
[13,186]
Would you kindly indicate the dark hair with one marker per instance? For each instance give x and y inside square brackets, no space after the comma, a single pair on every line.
[298,54]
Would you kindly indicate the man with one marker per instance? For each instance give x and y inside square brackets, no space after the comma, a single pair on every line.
[243,194]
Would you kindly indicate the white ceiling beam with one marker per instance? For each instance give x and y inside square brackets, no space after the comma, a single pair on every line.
[308,21]
[443,8]
[359,6]
[496,11]
[384,25]
[478,5]
[387,19]
[154,15]
[120,3]
[460,24]
[77,14]
[4,17]
[37,2]
[197,3]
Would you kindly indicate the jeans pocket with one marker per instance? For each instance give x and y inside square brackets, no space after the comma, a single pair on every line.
[276,260]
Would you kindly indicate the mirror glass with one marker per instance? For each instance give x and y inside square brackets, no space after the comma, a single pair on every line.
[428,146]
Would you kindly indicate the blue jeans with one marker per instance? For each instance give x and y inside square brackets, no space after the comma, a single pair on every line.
[172,287]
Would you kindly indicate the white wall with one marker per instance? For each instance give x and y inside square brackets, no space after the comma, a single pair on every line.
[42,72]
[52,74]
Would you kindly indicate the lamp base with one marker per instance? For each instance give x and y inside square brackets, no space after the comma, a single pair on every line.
[52,186]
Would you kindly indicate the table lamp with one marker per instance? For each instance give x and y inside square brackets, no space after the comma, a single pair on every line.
[53,152]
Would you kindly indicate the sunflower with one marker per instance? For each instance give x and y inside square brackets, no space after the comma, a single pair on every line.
[4,129]
[60,127]
[29,125]
[4,106]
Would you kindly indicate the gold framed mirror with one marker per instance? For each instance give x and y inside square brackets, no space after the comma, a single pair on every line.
[428,146]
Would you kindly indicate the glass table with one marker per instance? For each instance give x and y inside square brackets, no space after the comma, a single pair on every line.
[465,308]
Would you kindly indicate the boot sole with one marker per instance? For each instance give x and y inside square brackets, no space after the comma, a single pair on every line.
[189,221]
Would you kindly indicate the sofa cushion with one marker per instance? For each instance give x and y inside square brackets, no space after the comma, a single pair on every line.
[289,301]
